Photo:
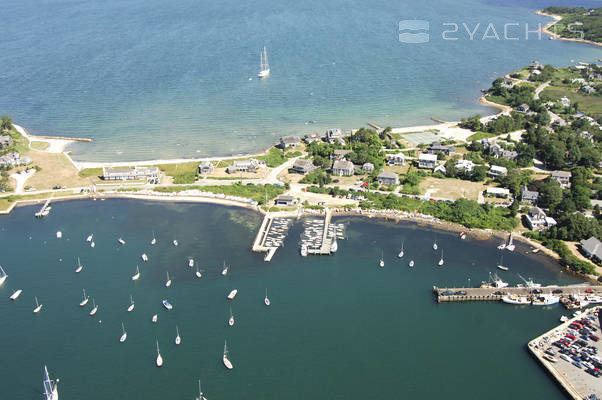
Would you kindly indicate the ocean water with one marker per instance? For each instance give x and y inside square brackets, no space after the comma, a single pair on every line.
[148,79]
[338,326]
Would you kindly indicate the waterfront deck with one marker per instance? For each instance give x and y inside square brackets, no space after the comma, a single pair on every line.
[487,294]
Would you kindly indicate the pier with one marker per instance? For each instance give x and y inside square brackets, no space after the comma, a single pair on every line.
[271,234]
[325,247]
[44,210]
[489,293]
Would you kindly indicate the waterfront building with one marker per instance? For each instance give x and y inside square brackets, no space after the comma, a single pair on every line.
[289,141]
[13,160]
[343,168]
[537,219]
[284,200]
[437,148]
[335,136]
[303,166]
[427,160]
[206,168]
[250,165]
[129,173]
[312,137]
[5,141]
[388,178]
[498,192]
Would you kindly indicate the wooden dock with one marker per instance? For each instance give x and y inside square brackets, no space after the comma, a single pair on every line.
[40,214]
[488,294]
[259,244]
[325,249]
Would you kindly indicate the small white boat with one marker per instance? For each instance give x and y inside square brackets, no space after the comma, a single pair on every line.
[79,266]
[144,257]
[225,269]
[175,243]
[501,264]
[535,251]
[38,307]
[124,335]
[462,235]
[94,307]
[154,240]
[120,240]
[168,282]
[435,247]
[132,305]
[191,262]
[92,244]
[501,246]
[303,250]
[231,320]
[400,255]
[440,263]
[59,234]
[198,273]
[50,387]
[264,66]
[3,276]
[510,246]
[411,264]
[201,397]
[166,304]
[16,294]
[225,359]
[85,300]
[136,276]
[232,294]
[266,300]
[154,318]
[334,246]
[89,238]
[178,339]
[159,360]
[564,318]
[381,262]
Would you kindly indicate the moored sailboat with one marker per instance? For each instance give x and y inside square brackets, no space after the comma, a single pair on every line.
[124,335]
[440,263]
[144,257]
[16,294]
[501,264]
[231,320]
[201,397]
[178,339]
[225,269]
[154,240]
[411,264]
[79,266]
[3,275]
[191,262]
[132,305]
[381,262]
[50,387]
[136,276]
[85,300]
[198,272]
[400,255]
[264,66]
[94,307]
[159,360]
[38,306]
[168,282]
[225,358]
[266,300]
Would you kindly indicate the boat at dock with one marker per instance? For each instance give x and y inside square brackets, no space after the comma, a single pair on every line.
[3,275]
[51,391]
[232,294]
[124,335]
[166,304]
[85,300]
[334,246]
[303,250]
[264,66]
[16,294]
[38,306]
[528,283]
[517,300]
[545,300]
[79,266]
[225,358]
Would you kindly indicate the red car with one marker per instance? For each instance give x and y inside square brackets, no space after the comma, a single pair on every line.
[589,291]
[572,337]
[594,338]
[365,185]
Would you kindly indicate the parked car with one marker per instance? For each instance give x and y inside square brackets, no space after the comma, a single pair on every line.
[557,291]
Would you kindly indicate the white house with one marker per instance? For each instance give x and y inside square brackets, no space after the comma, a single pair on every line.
[396,159]
[537,220]
[465,165]
[426,160]
[496,171]
[343,168]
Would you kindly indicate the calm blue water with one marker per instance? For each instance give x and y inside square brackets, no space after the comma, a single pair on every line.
[149,78]
[338,327]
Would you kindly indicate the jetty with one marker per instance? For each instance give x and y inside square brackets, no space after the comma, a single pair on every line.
[44,210]
[445,295]
[576,382]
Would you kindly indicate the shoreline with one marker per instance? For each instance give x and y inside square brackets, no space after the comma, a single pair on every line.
[556,19]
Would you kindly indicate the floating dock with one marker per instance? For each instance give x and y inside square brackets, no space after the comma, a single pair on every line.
[44,210]
[271,234]
[488,294]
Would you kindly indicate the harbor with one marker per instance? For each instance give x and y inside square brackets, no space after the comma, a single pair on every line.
[573,360]
[319,237]
[460,294]
[272,233]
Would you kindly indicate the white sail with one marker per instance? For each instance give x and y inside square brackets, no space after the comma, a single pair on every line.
[50,386]
[264,65]
[225,359]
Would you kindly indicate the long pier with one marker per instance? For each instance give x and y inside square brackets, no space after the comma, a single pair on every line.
[488,294]
[325,248]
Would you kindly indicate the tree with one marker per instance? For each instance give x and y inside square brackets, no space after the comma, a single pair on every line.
[550,194]
[479,173]
[7,123]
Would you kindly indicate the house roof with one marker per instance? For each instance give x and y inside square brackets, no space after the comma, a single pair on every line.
[561,174]
[388,175]
[498,190]
[285,197]
[592,246]
[342,164]
[341,152]
[290,139]
[498,168]
[427,157]
[303,163]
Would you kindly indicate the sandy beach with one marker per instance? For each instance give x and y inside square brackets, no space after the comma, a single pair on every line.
[547,30]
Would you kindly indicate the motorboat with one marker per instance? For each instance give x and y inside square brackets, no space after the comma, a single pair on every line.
[232,294]
[191,262]
[514,299]
[120,240]
[166,304]
[198,273]
[144,257]
[545,300]
[411,264]
[175,243]
[89,238]
[59,234]
[154,318]
[303,250]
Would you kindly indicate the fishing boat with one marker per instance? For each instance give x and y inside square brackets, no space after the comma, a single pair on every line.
[132,305]
[168,282]
[154,240]
[175,243]
[3,276]
[198,273]
[16,294]
[191,262]
[85,300]
[514,299]
[381,262]
[510,246]
[201,397]
[120,240]
[178,339]
[166,304]
[411,264]
[159,360]
[225,269]
[266,300]
[38,307]
[264,66]
[440,263]
[497,281]
[79,266]
[89,238]
[232,294]
[94,307]
[92,244]
[528,283]
[59,234]
[154,318]
[136,276]
[303,250]
[225,359]
[501,264]
[400,252]
[124,335]
[144,257]
[231,320]
[50,387]
[545,300]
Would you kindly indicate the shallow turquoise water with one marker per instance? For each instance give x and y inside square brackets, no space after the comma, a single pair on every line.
[338,327]
[149,78]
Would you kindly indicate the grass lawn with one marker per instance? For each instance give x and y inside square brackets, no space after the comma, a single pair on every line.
[90,172]
[451,188]
[56,170]
[480,135]
[36,145]
[181,173]
[590,105]
[256,193]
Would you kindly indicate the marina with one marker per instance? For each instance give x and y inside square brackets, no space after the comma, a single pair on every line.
[460,294]
[272,233]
